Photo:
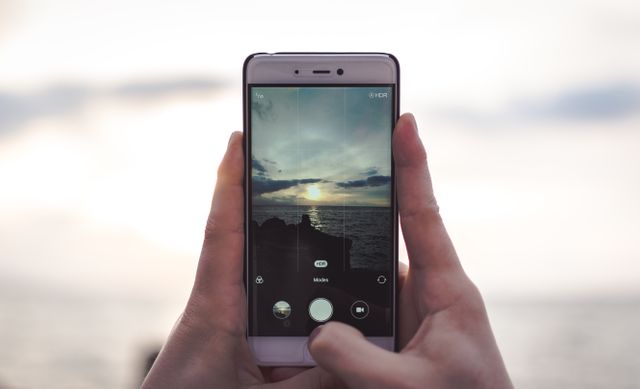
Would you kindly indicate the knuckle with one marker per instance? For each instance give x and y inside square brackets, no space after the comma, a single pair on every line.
[474,301]
[215,228]
[212,229]
[429,211]
[198,317]
[193,321]
[221,172]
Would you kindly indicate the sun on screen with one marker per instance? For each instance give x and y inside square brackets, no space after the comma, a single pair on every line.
[313,192]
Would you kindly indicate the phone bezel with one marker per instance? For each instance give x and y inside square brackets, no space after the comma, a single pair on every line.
[278,70]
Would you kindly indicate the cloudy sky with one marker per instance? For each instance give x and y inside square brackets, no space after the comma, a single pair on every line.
[114,116]
[321,145]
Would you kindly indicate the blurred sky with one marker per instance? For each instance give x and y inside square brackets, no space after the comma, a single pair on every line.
[114,115]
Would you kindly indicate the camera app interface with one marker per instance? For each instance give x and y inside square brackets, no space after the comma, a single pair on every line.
[320,209]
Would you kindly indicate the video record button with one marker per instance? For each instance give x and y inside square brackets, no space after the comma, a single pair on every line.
[359,309]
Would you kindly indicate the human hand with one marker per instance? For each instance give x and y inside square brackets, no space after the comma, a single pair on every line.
[444,332]
[207,347]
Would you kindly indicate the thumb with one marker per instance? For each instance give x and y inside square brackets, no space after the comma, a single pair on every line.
[343,351]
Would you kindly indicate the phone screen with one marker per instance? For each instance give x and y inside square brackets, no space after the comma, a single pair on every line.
[321,210]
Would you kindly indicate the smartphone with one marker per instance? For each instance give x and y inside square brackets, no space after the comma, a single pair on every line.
[321,218]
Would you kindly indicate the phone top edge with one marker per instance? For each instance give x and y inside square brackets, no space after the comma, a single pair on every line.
[328,53]
[336,68]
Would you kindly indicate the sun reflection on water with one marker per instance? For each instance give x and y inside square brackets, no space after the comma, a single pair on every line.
[314,215]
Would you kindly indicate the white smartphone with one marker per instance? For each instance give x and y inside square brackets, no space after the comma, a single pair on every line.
[320,206]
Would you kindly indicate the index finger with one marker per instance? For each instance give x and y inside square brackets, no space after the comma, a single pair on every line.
[428,243]
[221,258]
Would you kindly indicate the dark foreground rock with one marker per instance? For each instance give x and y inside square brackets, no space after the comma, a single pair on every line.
[276,243]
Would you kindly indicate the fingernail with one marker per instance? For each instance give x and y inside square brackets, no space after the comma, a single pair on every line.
[313,334]
[230,138]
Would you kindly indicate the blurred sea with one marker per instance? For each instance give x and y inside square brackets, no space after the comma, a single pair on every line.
[51,338]
[55,338]
[571,343]
[367,227]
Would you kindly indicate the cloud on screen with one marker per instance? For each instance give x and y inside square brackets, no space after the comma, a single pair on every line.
[258,167]
[372,181]
[266,185]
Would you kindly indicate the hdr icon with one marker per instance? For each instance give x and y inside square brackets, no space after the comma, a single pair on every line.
[378,95]
[320,263]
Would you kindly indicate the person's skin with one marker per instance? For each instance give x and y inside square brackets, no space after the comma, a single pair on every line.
[444,333]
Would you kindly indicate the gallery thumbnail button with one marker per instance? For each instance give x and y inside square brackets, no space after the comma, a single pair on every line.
[281,309]
[359,309]
[320,310]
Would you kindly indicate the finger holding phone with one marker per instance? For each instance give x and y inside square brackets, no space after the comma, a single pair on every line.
[445,337]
